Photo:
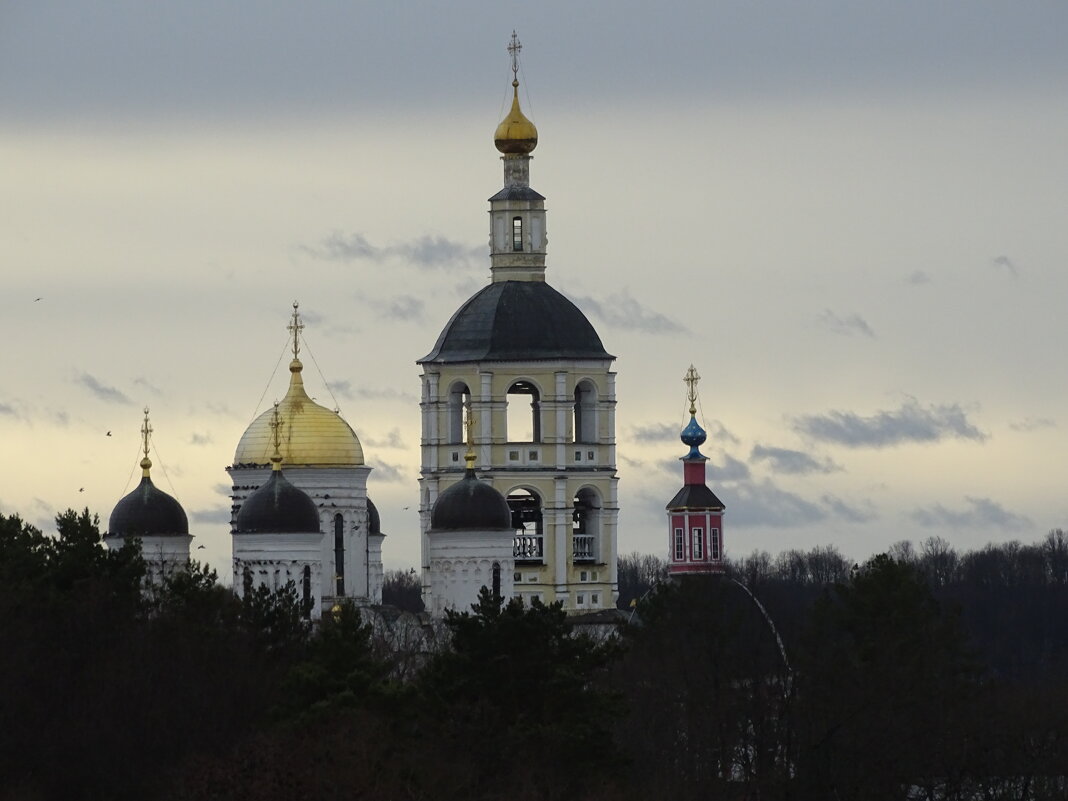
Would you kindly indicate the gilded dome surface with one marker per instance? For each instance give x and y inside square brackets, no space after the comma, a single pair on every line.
[311,435]
[516,135]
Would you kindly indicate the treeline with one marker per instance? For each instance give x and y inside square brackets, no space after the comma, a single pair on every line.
[874,688]
[1011,598]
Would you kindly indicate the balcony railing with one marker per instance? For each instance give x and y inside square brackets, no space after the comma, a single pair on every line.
[528,548]
[584,548]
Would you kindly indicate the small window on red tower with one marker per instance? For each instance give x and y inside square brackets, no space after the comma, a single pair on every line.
[698,543]
[680,552]
[713,537]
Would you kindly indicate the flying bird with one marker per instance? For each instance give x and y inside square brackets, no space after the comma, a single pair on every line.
[200,547]
[81,489]
[109,433]
[36,299]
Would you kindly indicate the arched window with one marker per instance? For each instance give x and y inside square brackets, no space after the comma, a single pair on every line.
[524,413]
[585,409]
[517,233]
[528,544]
[459,398]
[497,580]
[339,553]
[586,525]
[306,591]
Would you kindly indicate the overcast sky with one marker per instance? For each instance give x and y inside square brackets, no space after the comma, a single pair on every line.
[850,217]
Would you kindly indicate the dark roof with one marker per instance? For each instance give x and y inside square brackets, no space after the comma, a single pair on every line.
[374,521]
[277,508]
[148,511]
[516,192]
[470,504]
[695,496]
[517,321]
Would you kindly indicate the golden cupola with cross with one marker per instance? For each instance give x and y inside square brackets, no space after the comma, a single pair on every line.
[313,435]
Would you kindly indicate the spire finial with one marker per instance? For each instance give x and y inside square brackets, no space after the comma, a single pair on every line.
[276,436]
[146,433]
[469,421]
[295,327]
[514,46]
[691,380]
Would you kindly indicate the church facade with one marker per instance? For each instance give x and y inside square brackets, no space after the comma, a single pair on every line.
[518,478]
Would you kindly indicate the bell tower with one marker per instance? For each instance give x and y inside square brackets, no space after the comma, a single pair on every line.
[542,395]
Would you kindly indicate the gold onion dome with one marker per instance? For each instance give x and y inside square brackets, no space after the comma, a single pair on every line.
[311,435]
[516,135]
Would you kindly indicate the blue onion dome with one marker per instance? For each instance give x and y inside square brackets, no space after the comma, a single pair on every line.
[694,436]
[148,512]
[277,508]
[374,521]
[470,504]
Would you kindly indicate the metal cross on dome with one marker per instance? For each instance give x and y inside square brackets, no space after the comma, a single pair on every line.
[295,328]
[146,432]
[691,380]
[513,50]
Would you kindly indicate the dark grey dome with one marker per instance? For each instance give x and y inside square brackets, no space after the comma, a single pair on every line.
[517,321]
[277,508]
[374,522]
[471,504]
[148,512]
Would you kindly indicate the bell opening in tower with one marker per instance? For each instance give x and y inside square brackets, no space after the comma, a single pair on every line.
[524,413]
[528,544]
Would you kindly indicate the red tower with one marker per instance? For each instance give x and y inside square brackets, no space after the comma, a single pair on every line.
[695,514]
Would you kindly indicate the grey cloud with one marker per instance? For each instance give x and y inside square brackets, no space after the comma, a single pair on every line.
[918,277]
[853,324]
[1033,424]
[402,307]
[8,409]
[200,439]
[384,471]
[103,392]
[222,489]
[392,440]
[765,504]
[784,460]
[910,423]
[731,469]
[635,463]
[623,311]
[220,514]
[980,513]
[669,432]
[385,394]
[144,382]
[425,252]
[656,432]
[1005,263]
[845,511]
[342,388]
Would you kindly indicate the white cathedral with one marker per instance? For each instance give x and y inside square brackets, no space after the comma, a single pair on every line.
[518,486]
